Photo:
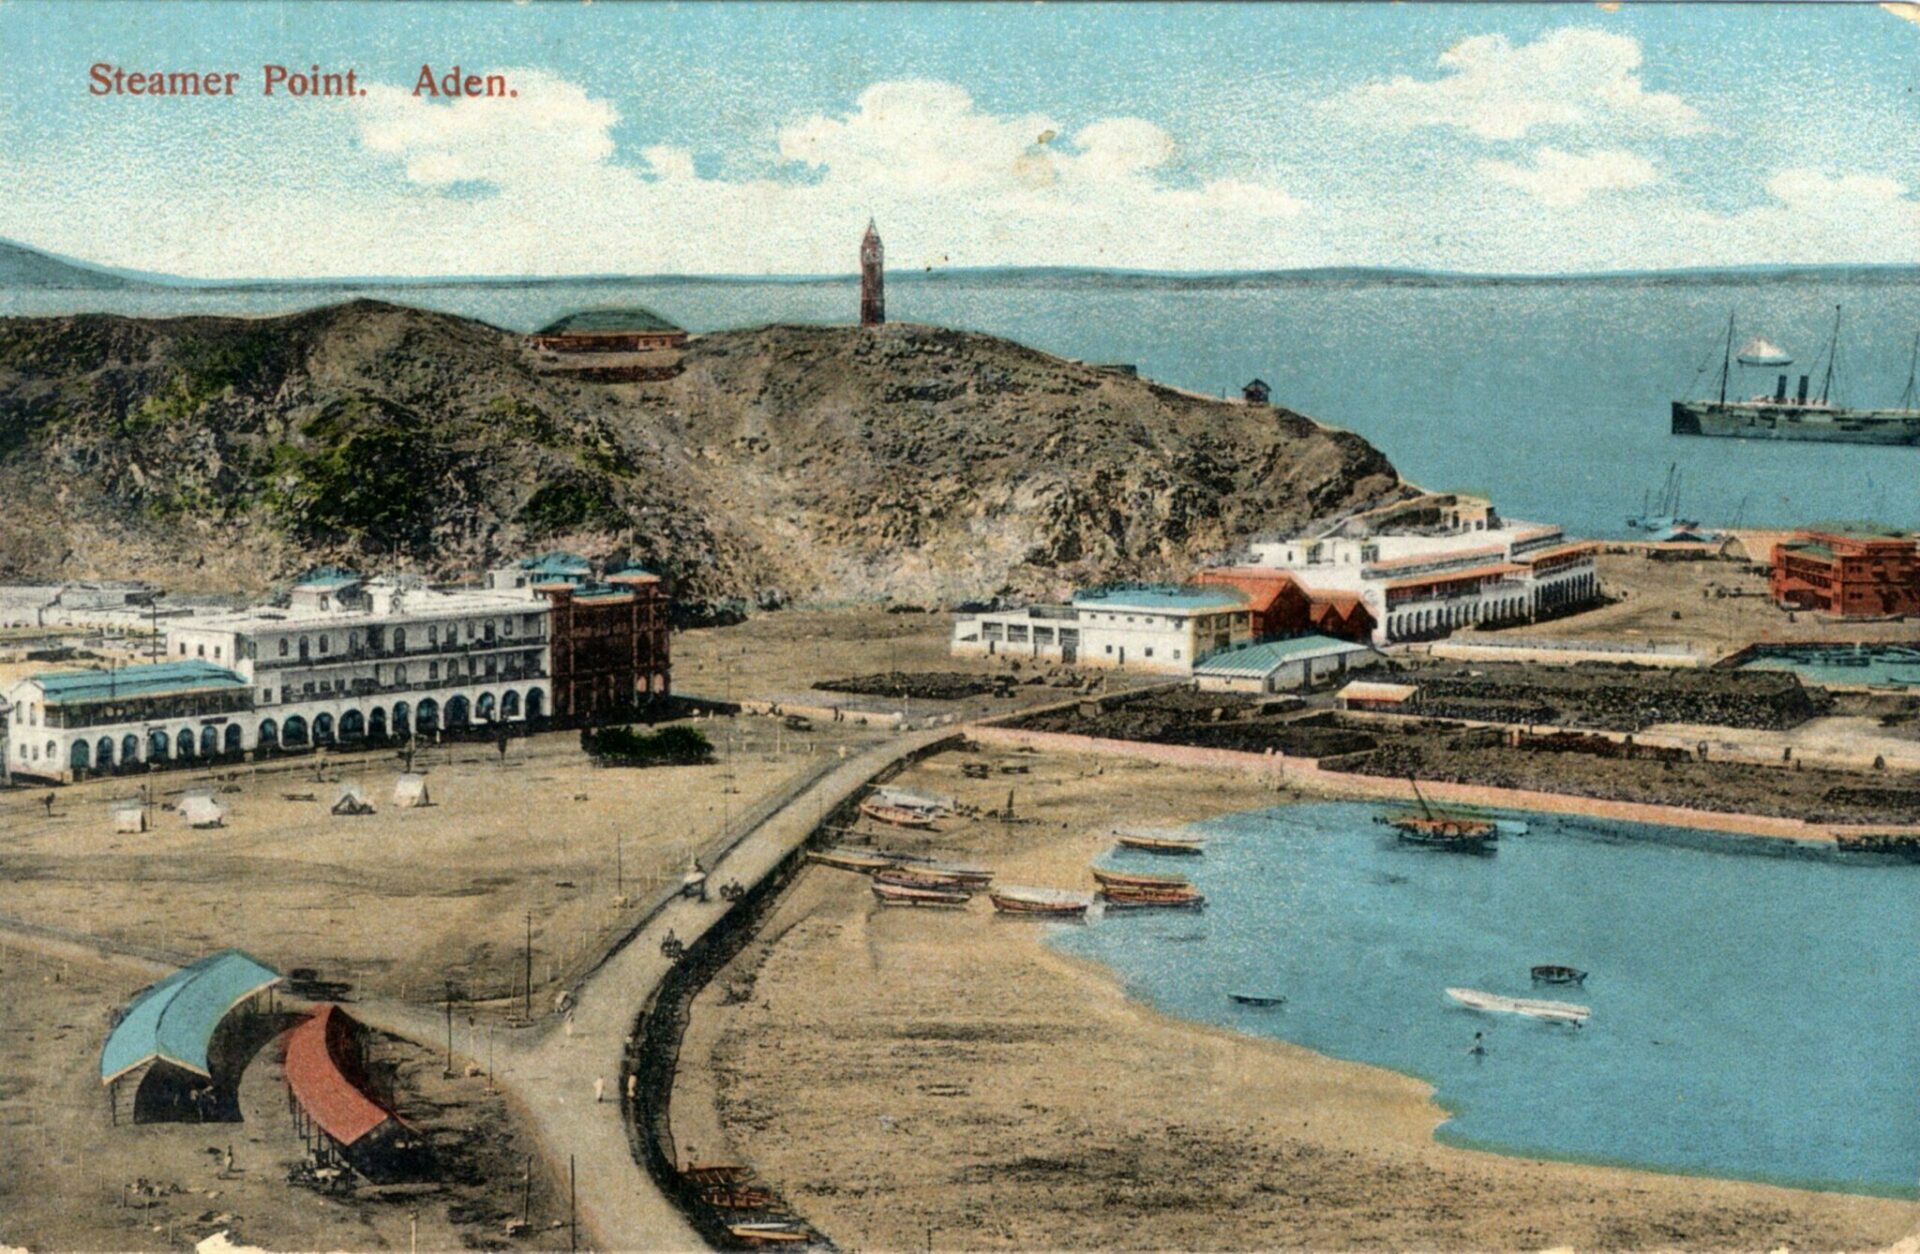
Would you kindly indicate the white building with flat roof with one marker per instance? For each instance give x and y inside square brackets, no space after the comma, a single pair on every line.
[351,659]
[1159,629]
[1466,566]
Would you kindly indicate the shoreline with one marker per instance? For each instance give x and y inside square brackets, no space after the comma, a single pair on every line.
[1028,1082]
[1097,972]
[1306,776]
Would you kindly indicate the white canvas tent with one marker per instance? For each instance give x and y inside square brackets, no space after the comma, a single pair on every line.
[129,816]
[352,801]
[199,809]
[411,790]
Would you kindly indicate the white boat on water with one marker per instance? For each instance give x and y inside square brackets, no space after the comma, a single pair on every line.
[1552,1011]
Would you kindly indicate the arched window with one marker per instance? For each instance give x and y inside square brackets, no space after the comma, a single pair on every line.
[399,639]
[283,646]
[324,642]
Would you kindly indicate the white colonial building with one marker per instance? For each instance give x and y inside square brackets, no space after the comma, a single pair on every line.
[1148,628]
[347,660]
[1460,564]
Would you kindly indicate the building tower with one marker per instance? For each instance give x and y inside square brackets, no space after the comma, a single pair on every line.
[873,296]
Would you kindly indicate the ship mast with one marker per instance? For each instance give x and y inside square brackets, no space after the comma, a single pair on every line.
[1833,348]
[1726,363]
[1907,397]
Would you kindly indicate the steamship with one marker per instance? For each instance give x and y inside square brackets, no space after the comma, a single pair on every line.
[1777,416]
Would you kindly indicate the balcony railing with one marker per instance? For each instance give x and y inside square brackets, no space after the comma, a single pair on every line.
[368,688]
[366,654]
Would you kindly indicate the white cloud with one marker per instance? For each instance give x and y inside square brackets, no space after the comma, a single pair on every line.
[1812,191]
[1571,77]
[1562,178]
[550,131]
[949,180]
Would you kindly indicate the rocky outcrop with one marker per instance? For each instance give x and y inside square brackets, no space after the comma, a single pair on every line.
[781,463]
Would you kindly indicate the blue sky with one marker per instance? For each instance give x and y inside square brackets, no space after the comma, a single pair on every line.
[744,139]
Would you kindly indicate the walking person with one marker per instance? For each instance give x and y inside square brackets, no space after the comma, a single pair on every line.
[599,1088]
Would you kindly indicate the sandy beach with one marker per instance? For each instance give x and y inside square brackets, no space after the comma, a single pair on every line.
[912,1079]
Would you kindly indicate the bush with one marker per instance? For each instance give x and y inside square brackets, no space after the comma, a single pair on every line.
[670,746]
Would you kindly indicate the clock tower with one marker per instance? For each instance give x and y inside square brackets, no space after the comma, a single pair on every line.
[873,296]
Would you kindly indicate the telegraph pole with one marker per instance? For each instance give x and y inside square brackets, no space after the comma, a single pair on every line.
[529,1004]
[449,1027]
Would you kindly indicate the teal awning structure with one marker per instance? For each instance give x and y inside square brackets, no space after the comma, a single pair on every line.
[175,1019]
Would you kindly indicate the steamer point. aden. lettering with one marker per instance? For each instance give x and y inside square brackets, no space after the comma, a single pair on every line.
[282,82]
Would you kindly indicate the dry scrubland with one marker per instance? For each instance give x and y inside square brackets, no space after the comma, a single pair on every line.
[907,1078]
[397,902]
[68,1170]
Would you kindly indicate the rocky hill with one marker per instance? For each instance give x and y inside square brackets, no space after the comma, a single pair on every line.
[783,463]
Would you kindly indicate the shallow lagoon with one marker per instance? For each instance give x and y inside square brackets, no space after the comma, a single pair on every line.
[1753,1015]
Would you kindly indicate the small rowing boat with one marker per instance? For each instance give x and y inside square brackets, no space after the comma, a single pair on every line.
[920,877]
[1552,973]
[1253,999]
[771,1233]
[1552,1011]
[907,799]
[974,876]
[847,858]
[1043,903]
[1124,879]
[897,816]
[901,895]
[1159,840]
[1116,898]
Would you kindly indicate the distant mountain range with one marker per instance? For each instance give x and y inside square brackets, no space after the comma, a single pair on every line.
[24,267]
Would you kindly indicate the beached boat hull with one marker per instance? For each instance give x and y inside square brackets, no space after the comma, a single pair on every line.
[1038,909]
[1122,900]
[893,895]
[1155,844]
[1121,879]
[902,877]
[896,816]
[849,860]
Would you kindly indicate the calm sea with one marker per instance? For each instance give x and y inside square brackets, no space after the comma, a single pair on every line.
[1753,1015]
[1550,397]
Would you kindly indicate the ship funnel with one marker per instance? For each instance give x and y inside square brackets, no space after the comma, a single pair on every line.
[1780,393]
[1803,389]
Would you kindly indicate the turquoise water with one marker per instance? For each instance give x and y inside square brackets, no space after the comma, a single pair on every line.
[1841,664]
[1753,1016]
[1551,397]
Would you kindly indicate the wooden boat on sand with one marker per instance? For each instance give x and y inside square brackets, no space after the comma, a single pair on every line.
[1119,898]
[897,816]
[708,1175]
[907,799]
[848,858]
[1040,903]
[1552,973]
[1165,840]
[1123,879]
[1551,1011]
[920,877]
[900,895]
[771,1233]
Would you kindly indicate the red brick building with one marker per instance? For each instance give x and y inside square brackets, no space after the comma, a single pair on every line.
[1283,607]
[1851,570]
[609,646]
